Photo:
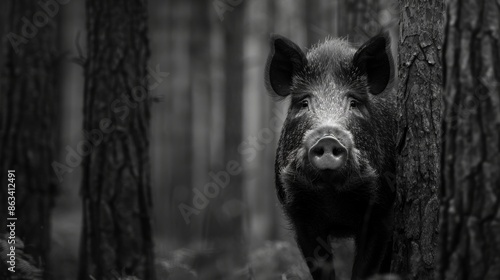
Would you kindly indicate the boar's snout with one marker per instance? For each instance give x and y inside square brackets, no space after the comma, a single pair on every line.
[325,148]
[327,153]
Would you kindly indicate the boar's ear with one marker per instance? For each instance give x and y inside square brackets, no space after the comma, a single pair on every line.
[374,59]
[284,61]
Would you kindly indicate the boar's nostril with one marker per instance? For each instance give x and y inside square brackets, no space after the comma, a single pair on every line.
[327,153]
[317,151]
[336,151]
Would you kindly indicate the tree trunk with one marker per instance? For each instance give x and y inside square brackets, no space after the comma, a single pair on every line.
[418,162]
[116,237]
[321,19]
[161,147]
[182,116]
[355,20]
[470,244]
[258,158]
[230,222]
[232,208]
[30,129]
[201,95]
[223,224]
[359,20]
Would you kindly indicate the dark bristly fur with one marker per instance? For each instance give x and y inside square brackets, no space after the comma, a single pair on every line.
[355,200]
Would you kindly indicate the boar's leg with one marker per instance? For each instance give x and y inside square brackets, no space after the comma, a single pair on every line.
[317,253]
[373,251]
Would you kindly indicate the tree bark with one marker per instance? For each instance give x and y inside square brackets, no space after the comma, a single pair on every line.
[116,236]
[30,102]
[418,162]
[470,247]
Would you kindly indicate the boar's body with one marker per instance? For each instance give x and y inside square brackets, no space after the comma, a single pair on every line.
[337,149]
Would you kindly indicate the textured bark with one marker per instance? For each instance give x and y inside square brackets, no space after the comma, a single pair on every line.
[116,237]
[418,164]
[29,126]
[470,231]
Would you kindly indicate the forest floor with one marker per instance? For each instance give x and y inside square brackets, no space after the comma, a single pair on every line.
[273,260]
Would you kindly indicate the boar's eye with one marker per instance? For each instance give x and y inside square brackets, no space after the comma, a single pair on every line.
[357,107]
[353,104]
[304,103]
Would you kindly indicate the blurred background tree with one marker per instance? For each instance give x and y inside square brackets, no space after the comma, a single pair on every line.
[30,124]
[117,234]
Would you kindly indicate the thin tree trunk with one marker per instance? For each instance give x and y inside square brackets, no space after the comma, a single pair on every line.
[181,122]
[258,158]
[217,117]
[356,20]
[30,129]
[470,244]
[292,21]
[116,236]
[161,115]
[224,214]
[201,95]
[230,220]
[418,162]
[321,19]
[360,21]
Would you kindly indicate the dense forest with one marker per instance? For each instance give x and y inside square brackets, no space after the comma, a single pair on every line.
[138,138]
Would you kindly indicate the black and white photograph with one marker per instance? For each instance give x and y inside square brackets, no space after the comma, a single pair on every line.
[249,140]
